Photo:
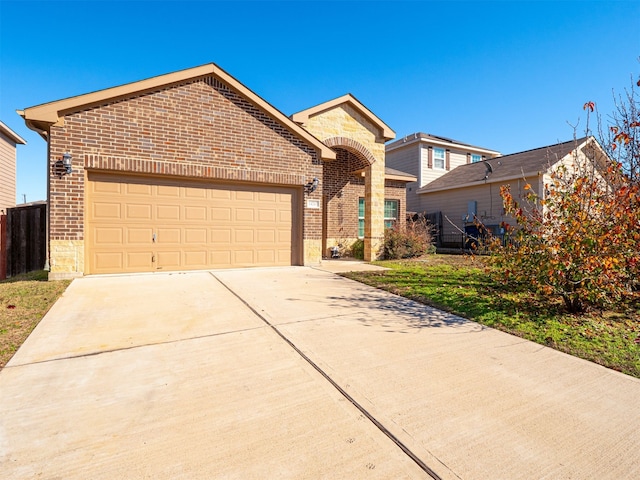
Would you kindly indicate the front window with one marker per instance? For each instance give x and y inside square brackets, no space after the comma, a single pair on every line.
[438,158]
[476,158]
[361,218]
[390,215]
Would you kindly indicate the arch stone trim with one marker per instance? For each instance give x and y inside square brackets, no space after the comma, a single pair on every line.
[352,145]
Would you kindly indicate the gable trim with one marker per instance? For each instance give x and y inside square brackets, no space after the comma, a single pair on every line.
[385,131]
[40,117]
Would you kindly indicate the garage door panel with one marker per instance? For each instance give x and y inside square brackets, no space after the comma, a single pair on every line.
[266,257]
[139,236]
[284,257]
[109,261]
[220,258]
[219,194]
[109,235]
[165,213]
[266,236]
[245,215]
[267,215]
[138,261]
[220,214]
[195,236]
[168,236]
[146,224]
[104,211]
[200,193]
[195,259]
[244,257]
[171,191]
[169,260]
[195,213]
[106,187]
[138,212]
[221,236]
[138,189]
[244,236]
[240,195]
[284,237]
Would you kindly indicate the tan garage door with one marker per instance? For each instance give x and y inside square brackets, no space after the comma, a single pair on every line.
[137,224]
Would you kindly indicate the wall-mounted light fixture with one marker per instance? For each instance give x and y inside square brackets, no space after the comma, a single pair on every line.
[312,185]
[66,162]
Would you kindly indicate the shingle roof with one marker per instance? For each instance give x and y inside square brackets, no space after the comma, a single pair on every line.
[506,167]
[393,174]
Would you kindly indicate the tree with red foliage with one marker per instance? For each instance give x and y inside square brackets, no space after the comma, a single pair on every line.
[579,239]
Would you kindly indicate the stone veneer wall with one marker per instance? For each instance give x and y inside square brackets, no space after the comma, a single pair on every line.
[345,128]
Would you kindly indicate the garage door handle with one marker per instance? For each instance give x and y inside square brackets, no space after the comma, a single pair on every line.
[154,238]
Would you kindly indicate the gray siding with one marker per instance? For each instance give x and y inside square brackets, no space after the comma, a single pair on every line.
[407,160]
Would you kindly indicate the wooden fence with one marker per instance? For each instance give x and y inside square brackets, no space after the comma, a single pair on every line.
[26,238]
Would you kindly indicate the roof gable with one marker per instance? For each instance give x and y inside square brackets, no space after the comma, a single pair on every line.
[427,138]
[41,117]
[517,165]
[384,130]
[13,136]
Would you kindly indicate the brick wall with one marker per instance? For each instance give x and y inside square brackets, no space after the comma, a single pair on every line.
[342,191]
[198,129]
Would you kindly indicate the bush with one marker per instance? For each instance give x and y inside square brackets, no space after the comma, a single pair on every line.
[414,240]
[357,249]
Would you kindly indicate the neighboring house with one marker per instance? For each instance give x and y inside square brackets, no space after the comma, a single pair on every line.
[8,142]
[472,192]
[192,170]
[428,157]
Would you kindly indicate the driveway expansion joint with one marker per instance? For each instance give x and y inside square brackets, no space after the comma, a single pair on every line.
[423,466]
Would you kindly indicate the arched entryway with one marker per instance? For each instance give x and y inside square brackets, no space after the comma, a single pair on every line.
[357,136]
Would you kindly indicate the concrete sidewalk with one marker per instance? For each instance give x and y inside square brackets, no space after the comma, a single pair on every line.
[298,373]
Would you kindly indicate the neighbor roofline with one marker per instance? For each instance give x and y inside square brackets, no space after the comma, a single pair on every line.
[41,117]
[303,116]
[11,134]
[463,146]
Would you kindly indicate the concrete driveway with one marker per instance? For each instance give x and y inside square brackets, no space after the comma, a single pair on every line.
[298,373]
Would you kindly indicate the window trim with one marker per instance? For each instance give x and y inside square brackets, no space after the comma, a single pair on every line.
[476,155]
[436,151]
[386,219]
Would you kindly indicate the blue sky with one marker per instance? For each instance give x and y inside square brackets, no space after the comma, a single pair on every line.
[506,75]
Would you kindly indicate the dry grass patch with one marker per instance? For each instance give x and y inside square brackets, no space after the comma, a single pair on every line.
[24,300]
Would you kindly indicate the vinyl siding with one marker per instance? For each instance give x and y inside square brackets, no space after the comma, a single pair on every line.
[453,203]
[7,173]
[407,160]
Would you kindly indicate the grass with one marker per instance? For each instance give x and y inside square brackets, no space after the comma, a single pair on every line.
[460,285]
[24,300]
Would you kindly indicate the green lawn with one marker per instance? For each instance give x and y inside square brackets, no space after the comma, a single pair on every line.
[24,300]
[461,285]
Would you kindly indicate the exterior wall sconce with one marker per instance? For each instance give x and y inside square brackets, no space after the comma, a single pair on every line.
[312,185]
[66,162]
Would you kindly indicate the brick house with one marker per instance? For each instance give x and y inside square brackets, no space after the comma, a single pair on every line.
[192,170]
